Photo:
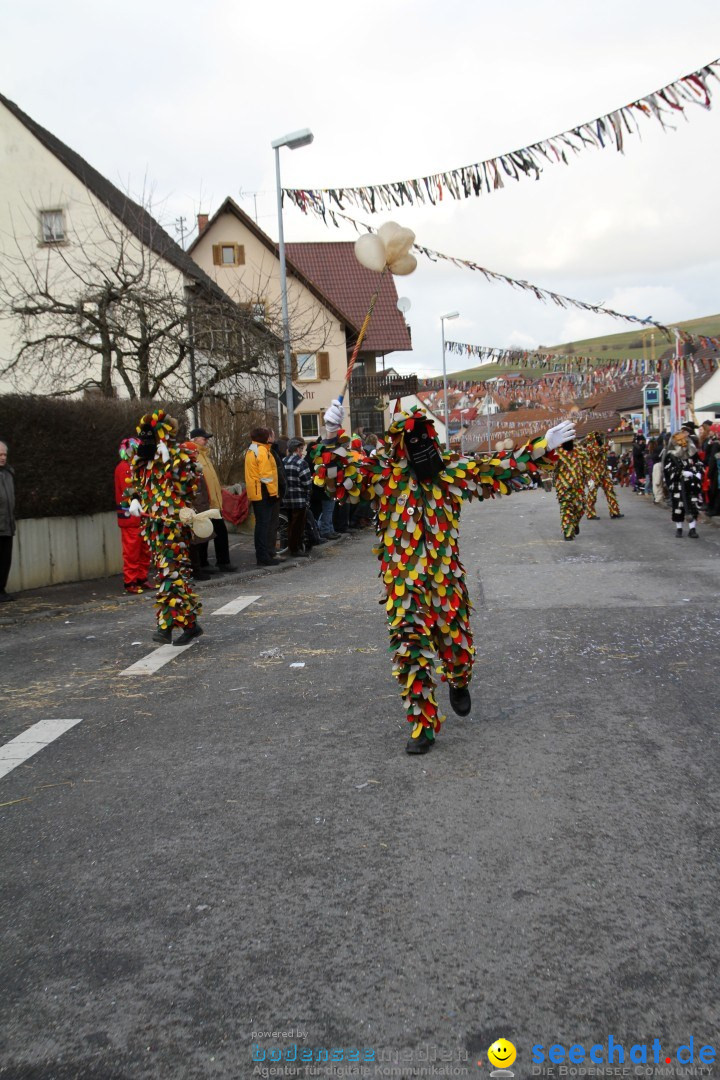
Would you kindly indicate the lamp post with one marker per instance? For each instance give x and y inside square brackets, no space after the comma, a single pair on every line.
[462,432]
[450,315]
[294,140]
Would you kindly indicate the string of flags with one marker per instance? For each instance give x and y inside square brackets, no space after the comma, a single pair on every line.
[516,283]
[528,358]
[609,130]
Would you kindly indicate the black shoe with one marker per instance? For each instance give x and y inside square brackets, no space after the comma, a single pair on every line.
[206,568]
[188,634]
[200,576]
[5,598]
[592,517]
[331,536]
[163,636]
[679,534]
[299,555]
[226,568]
[460,700]
[577,530]
[568,537]
[269,562]
[693,534]
[421,745]
[617,515]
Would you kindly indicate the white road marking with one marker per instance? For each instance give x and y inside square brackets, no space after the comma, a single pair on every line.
[235,605]
[157,659]
[31,742]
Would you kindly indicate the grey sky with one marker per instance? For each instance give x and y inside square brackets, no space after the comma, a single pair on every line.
[185,99]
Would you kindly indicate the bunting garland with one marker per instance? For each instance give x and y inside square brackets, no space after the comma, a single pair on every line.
[516,283]
[484,177]
[528,358]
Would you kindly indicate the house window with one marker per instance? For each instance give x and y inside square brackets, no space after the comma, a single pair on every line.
[309,425]
[52,226]
[306,367]
[228,255]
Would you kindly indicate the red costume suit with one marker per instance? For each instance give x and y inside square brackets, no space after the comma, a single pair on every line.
[135,552]
[598,472]
[418,516]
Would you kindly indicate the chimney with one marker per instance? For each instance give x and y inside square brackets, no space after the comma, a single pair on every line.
[202,220]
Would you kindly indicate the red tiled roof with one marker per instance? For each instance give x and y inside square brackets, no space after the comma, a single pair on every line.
[333,268]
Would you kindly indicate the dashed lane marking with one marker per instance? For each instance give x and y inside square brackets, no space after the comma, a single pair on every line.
[236,605]
[157,659]
[32,742]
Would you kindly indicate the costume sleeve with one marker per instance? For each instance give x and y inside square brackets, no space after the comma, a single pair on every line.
[501,473]
[346,475]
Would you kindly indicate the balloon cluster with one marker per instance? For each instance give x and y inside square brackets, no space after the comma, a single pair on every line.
[388,247]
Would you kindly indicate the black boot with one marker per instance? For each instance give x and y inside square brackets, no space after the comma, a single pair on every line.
[189,633]
[420,745]
[460,700]
[163,636]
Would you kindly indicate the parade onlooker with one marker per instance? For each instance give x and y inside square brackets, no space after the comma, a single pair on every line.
[297,493]
[135,551]
[7,520]
[201,439]
[261,482]
[682,471]
[639,449]
[278,449]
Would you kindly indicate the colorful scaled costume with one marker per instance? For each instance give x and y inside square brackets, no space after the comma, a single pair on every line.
[571,475]
[598,476]
[418,493]
[166,477]
[682,473]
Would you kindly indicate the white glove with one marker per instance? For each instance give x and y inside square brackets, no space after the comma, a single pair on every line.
[135,510]
[334,417]
[186,514]
[562,432]
[687,474]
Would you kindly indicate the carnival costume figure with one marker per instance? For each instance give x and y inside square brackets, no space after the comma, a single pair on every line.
[166,477]
[418,493]
[682,473]
[599,476]
[571,475]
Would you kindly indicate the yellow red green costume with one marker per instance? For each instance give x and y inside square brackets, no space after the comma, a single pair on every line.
[571,472]
[426,599]
[166,484]
[596,452]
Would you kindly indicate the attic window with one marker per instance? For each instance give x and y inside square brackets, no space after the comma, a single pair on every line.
[52,226]
[228,255]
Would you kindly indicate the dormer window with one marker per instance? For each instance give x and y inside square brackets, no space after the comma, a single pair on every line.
[52,226]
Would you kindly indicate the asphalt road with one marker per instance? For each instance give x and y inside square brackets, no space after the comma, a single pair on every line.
[235,846]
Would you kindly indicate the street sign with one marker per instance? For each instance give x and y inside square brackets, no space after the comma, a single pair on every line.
[297,398]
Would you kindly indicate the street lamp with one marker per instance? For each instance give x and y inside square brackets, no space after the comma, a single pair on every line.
[294,140]
[462,432]
[451,315]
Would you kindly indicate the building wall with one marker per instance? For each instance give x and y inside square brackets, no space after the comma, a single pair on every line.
[33,179]
[313,327]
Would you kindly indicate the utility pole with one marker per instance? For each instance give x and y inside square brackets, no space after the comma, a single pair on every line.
[180,227]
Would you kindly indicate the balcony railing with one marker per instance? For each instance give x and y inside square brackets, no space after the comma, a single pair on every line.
[385,386]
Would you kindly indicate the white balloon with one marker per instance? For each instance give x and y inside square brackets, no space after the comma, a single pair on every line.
[405,264]
[370,252]
[399,244]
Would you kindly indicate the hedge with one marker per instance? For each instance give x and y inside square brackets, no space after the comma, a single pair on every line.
[64,452]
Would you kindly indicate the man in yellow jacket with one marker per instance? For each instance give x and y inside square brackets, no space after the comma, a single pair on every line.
[201,439]
[261,481]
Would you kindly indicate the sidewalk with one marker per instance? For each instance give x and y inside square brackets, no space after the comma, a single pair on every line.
[53,601]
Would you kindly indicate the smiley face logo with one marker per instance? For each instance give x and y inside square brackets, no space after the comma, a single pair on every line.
[502,1053]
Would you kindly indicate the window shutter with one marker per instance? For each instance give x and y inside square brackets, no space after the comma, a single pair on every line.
[293,359]
[323,365]
[217,254]
[239,255]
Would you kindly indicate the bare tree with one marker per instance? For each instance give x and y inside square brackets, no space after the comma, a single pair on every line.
[112,306]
